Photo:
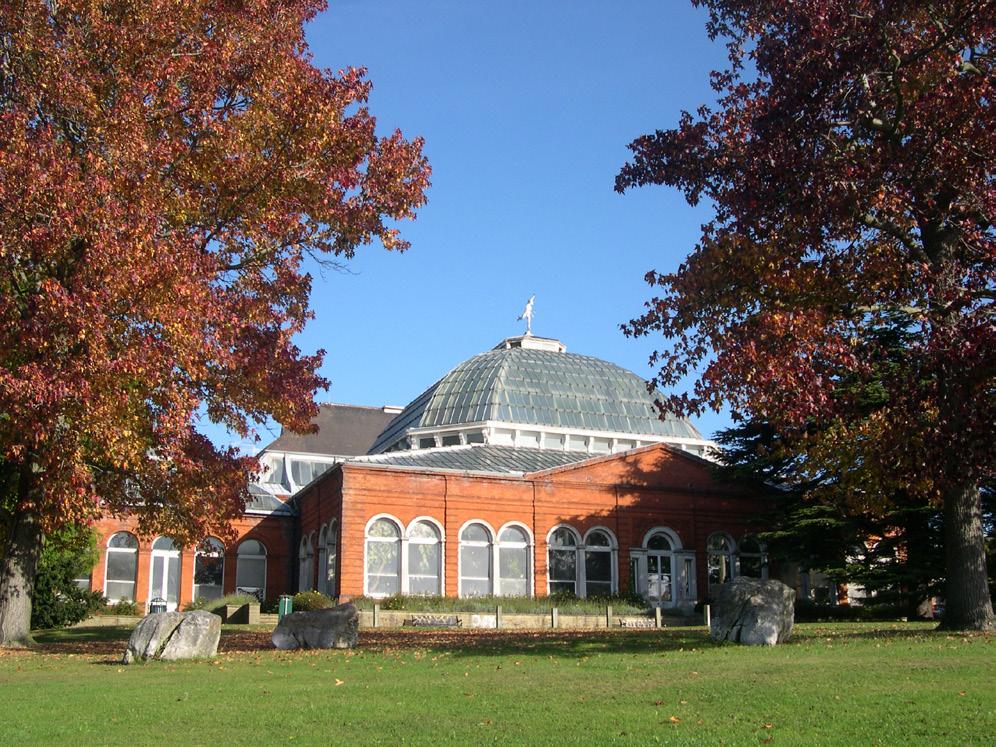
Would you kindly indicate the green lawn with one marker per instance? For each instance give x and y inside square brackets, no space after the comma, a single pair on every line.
[848,684]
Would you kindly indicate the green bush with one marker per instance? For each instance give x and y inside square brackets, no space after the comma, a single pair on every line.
[308,601]
[270,606]
[567,605]
[216,605]
[123,608]
[69,553]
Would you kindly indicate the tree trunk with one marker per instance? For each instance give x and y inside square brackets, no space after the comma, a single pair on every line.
[17,578]
[967,605]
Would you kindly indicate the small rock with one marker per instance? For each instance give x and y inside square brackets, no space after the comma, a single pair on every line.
[335,627]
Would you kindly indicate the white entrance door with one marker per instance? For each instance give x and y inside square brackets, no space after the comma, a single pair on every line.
[660,579]
[164,581]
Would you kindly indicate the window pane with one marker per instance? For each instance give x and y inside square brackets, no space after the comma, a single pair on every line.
[384,528]
[561,587]
[163,543]
[513,563]
[423,585]
[563,565]
[563,537]
[173,581]
[475,588]
[659,542]
[123,539]
[719,569]
[475,562]
[423,560]
[250,572]
[513,534]
[514,588]
[121,566]
[251,547]
[750,565]
[598,539]
[597,589]
[118,590]
[598,566]
[383,557]
[475,533]
[386,585]
[423,530]
[209,570]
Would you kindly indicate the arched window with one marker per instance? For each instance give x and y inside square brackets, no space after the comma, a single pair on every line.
[164,579]
[121,566]
[331,559]
[562,561]
[209,569]
[752,557]
[599,551]
[322,559]
[250,569]
[719,555]
[305,564]
[475,561]
[660,567]
[513,562]
[424,559]
[383,558]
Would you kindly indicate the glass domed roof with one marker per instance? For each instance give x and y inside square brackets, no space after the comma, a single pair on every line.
[541,386]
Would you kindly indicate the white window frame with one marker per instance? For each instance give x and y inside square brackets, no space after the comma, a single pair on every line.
[730,553]
[492,555]
[198,553]
[761,555]
[323,560]
[562,548]
[612,550]
[306,563]
[331,559]
[677,552]
[166,555]
[261,595]
[133,551]
[408,540]
[529,546]
[402,562]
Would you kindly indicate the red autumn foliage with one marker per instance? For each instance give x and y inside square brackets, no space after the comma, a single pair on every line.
[850,164]
[167,167]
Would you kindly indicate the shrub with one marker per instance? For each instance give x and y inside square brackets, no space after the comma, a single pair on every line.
[270,607]
[568,605]
[215,605]
[69,553]
[123,608]
[308,601]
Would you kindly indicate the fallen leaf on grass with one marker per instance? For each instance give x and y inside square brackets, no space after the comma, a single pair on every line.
[674,720]
[339,682]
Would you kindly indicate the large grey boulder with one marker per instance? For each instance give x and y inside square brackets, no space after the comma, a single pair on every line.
[196,637]
[173,636]
[335,627]
[753,611]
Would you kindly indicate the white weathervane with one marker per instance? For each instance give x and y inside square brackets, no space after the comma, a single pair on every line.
[527,314]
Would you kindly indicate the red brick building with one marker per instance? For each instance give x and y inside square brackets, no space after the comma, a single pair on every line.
[525,470]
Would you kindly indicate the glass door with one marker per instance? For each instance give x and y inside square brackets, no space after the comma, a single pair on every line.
[164,580]
[659,577]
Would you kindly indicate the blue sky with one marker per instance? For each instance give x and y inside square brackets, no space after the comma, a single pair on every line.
[526,109]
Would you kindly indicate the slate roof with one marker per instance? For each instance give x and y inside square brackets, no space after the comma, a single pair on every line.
[343,430]
[538,387]
[263,502]
[477,458]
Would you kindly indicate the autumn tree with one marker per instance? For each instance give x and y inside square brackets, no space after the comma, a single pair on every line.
[850,164]
[167,169]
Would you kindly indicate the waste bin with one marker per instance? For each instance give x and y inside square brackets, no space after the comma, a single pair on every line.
[157,605]
[285,606]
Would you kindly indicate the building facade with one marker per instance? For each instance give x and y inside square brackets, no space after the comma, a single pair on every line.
[524,471]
